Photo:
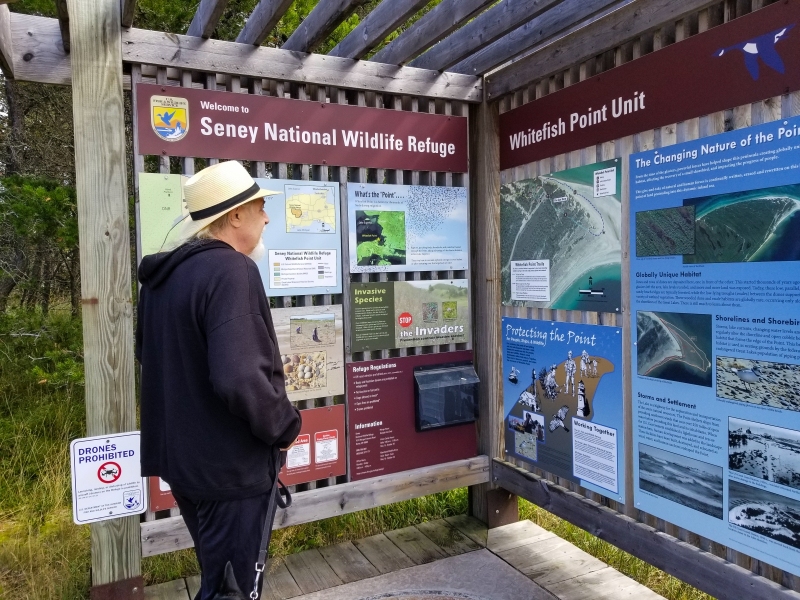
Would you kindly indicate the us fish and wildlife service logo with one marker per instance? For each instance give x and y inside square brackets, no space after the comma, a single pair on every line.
[169,117]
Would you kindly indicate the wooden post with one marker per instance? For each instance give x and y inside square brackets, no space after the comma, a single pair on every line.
[484,138]
[105,253]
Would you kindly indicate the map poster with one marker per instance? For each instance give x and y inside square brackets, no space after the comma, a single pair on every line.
[303,238]
[407,228]
[160,209]
[715,277]
[403,314]
[560,239]
[562,401]
[312,350]
[382,434]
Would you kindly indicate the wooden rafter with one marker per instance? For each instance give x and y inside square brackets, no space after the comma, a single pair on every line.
[618,27]
[385,18]
[534,33]
[63,23]
[482,31]
[318,25]
[128,8]
[205,19]
[38,56]
[262,21]
[440,22]
[6,53]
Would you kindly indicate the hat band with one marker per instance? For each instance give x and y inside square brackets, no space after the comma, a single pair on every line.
[211,211]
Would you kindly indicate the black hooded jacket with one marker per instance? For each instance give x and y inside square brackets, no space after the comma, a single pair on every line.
[213,399]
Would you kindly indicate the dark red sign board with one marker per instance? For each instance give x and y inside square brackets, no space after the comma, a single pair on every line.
[160,496]
[323,428]
[178,121]
[319,451]
[751,58]
[382,435]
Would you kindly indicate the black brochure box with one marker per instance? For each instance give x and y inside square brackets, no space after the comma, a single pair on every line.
[445,395]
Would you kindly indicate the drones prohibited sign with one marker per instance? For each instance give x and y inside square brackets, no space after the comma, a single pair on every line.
[106,479]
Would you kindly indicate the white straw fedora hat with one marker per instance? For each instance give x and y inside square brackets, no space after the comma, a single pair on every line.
[215,191]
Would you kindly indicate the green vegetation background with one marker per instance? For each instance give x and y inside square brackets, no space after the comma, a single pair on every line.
[393,231]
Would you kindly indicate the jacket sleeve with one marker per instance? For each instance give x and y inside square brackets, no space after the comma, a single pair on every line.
[241,356]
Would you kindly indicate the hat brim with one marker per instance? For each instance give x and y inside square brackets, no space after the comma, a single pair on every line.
[190,227]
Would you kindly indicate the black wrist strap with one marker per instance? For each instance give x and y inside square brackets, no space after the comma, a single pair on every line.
[279,497]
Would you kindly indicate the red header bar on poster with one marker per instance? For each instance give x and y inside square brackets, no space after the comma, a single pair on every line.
[176,121]
[748,59]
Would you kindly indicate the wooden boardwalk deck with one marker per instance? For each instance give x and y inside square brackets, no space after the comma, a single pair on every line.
[559,568]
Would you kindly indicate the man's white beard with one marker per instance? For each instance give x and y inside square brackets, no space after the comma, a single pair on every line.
[259,251]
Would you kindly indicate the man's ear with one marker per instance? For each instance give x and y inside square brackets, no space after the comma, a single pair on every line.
[235,216]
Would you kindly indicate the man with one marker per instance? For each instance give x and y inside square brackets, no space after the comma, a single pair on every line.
[213,402]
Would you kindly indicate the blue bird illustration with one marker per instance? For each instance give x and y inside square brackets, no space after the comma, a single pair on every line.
[167,117]
[762,47]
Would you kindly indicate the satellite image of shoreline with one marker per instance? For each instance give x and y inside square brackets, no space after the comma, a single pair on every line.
[674,346]
[557,217]
[665,231]
[681,479]
[765,513]
[753,226]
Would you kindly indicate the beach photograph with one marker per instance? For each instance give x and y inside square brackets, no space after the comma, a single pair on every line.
[762,512]
[761,382]
[678,478]
[752,226]
[308,331]
[764,451]
[525,445]
[674,346]
[665,231]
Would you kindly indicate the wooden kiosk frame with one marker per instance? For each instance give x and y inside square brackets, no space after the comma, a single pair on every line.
[93,48]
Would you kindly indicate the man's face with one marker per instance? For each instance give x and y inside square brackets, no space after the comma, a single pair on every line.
[254,220]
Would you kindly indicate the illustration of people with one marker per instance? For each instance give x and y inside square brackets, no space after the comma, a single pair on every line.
[314,336]
[569,369]
[593,368]
[585,360]
[513,377]
[583,403]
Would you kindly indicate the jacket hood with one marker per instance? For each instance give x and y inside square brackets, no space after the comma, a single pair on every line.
[155,269]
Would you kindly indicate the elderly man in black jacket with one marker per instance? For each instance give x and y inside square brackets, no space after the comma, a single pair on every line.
[213,402]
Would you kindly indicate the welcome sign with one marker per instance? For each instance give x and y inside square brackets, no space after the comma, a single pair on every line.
[176,121]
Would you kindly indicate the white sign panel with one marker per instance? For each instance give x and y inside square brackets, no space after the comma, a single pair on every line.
[106,478]
[530,280]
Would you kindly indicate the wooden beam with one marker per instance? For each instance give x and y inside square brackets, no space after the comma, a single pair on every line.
[167,535]
[128,8]
[503,17]
[98,109]
[205,19]
[703,570]
[535,32]
[484,149]
[619,26]
[262,21]
[63,23]
[384,19]
[38,56]
[437,24]
[319,24]
[6,43]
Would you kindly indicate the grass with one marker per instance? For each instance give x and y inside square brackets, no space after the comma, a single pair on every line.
[44,555]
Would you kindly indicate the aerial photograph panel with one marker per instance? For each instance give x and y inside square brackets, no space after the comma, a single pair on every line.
[752,226]
[674,346]
[665,231]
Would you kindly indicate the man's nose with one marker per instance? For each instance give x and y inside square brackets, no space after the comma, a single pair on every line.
[266,219]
